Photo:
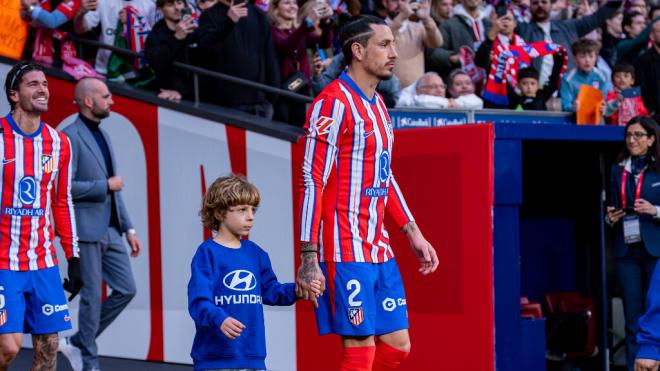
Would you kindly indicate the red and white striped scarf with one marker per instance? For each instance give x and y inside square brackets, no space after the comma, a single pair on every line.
[136,31]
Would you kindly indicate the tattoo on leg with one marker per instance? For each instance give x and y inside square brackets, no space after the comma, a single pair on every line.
[45,352]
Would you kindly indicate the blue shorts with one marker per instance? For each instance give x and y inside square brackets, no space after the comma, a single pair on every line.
[362,299]
[33,302]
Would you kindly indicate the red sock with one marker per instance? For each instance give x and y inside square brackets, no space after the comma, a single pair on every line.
[388,357]
[357,358]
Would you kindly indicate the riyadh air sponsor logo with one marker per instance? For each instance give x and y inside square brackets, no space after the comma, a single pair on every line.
[49,309]
[390,304]
[384,166]
[27,190]
[240,280]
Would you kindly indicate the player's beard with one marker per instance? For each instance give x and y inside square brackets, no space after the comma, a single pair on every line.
[381,72]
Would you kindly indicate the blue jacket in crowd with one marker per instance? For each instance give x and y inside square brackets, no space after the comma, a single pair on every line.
[571,82]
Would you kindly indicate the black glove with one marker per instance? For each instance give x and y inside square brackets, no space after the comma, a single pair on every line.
[73,283]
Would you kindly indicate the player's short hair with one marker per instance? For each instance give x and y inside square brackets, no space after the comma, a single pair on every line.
[15,75]
[624,67]
[224,193]
[528,73]
[357,30]
[585,46]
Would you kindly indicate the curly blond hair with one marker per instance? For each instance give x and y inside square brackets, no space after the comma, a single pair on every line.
[226,192]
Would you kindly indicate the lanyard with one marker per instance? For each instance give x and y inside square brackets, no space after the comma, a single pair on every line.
[638,191]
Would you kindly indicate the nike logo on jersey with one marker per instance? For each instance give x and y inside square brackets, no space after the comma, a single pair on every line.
[366,135]
[6,161]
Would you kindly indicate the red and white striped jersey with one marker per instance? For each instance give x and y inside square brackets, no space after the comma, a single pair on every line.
[35,179]
[347,184]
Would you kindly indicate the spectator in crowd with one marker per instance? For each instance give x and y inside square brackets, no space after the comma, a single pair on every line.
[107,14]
[639,6]
[619,109]
[388,89]
[467,28]
[637,37]
[204,5]
[441,10]
[531,97]
[585,73]
[169,42]
[414,30]
[648,67]
[46,16]
[611,35]
[499,36]
[292,39]
[521,11]
[654,12]
[636,254]
[562,32]
[240,43]
[428,92]
[101,219]
[461,88]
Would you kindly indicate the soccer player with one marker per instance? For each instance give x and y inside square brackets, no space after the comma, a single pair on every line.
[347,187]
[35,181]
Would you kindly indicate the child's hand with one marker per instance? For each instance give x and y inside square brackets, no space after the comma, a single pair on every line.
[576,106]
[231,328]
[316,288]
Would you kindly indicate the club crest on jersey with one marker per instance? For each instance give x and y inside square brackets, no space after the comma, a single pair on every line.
[356,315]
[47,163]
[323,124]
[3,316]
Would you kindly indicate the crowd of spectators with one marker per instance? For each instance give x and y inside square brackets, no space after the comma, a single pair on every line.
[466,54]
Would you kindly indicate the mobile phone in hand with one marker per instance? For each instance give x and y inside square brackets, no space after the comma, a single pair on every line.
[321,53]
[633,92]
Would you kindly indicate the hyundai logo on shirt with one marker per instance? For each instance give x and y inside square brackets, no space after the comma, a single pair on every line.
[240,280]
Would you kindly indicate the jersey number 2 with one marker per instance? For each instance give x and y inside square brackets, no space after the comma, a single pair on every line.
[353,285]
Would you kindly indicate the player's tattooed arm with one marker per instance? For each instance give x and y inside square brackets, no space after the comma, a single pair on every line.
[425,253]
[45,352]
[308,271]
[409,228]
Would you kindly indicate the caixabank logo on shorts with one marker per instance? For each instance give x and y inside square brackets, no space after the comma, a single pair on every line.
[49,309]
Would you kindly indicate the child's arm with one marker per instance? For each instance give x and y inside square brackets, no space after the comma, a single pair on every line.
[201,307]
[553,80]
[567,96]
[514,98]
[272,291]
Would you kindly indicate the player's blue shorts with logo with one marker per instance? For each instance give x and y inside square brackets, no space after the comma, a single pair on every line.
[33,302]
[362,299]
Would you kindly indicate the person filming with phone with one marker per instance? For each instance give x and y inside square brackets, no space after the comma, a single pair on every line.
[169,42]
[293,36]
[414,30]
[634,213]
